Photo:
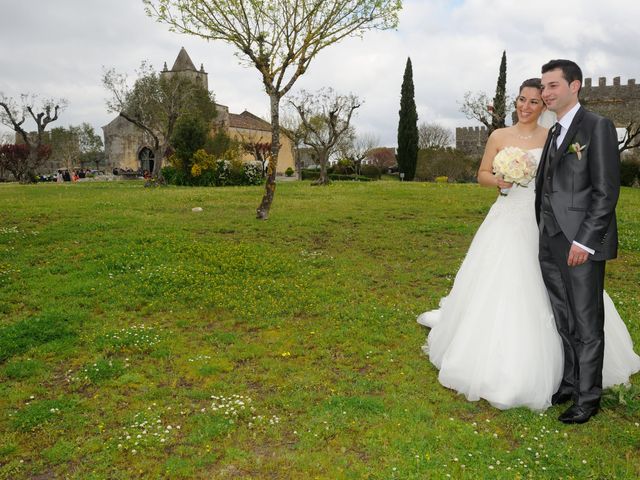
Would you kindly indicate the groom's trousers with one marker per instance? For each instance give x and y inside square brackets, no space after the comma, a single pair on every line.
[576,299]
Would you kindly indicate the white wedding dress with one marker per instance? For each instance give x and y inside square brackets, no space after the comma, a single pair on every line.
[494,336]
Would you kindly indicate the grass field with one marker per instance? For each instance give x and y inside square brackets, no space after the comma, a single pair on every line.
[139,339]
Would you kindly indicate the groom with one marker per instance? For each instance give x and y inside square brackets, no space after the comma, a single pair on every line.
[577,188]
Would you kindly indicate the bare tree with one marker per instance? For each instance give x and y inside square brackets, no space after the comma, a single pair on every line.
[433,135]
[91,146]
[13,116]
[325,117]
[631,137]
[7,137]
[478,106]
[260,152]
[278,38]
[357,147]
[294,129]
[382,157]
[65,146]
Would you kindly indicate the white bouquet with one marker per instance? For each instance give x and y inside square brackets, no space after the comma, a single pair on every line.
[515,165]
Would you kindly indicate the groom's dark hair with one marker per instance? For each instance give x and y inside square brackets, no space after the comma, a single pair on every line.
[570,70]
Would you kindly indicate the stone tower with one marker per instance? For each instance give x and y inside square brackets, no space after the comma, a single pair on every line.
[128,147]
[184,67]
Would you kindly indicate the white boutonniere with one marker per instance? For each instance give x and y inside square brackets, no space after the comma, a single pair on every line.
[577,149]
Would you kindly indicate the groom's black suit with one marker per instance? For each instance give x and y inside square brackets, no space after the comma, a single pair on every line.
[576,198]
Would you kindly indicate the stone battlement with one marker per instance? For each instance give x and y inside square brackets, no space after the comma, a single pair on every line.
[602,82]
[617,101]
[471,140]
[470,130]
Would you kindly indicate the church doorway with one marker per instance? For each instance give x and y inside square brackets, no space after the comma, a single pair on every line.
[146,159]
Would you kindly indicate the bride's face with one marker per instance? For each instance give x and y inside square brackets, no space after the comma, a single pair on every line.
[529,105]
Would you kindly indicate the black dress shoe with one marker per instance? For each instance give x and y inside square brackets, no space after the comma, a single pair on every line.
[561,397]
[578,414]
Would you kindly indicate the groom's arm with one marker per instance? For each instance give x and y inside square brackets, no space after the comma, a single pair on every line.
[604,170]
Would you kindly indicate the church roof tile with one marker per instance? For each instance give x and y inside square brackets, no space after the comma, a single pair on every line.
[249,121]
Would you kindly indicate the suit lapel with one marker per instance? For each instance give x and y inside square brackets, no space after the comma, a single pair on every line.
[543,161]
[573,128]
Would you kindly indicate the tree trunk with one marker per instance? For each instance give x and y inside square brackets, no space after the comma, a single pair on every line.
[28,175]
[297,163]
[158,160]
[324,178]
[262,212]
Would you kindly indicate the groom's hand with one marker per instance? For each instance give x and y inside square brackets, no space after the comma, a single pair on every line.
[577,256]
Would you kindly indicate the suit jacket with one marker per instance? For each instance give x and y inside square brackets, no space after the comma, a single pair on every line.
[585,187]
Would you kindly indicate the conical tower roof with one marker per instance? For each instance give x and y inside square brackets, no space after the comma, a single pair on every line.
[183,62]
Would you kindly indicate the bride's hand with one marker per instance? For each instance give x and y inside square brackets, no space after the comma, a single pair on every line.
[502,183]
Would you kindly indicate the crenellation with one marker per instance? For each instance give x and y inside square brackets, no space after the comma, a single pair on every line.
[471,140]
[617,101]
[587,83]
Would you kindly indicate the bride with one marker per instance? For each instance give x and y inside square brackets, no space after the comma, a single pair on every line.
[494,336]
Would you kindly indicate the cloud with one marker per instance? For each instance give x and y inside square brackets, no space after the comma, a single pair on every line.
[59,49]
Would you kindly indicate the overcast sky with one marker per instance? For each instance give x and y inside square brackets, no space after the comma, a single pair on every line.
[60,48]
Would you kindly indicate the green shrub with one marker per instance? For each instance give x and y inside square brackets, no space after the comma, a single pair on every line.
[442,179]
[370,171]
[308,174]
[338,177]
[175,176]
[220,173]
[289,172]
[344,167]
[629,172]
[189,136]
[169,174]
[445,162]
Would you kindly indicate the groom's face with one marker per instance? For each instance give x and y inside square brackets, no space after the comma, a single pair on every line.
[557,93]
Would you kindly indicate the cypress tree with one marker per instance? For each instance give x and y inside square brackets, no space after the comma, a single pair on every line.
[499,113]
[408,126]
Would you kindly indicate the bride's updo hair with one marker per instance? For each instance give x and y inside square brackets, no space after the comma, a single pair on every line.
[531,82]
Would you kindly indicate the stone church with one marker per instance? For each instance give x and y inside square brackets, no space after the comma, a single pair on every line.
[128,147]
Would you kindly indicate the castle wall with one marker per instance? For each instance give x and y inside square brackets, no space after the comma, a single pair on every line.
[471,140]
[122,141]
[618,102]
